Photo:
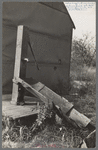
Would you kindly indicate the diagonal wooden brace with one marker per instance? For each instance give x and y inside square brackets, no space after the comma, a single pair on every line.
[65,106]
[32,91]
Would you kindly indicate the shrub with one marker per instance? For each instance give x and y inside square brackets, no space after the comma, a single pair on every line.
[84,51]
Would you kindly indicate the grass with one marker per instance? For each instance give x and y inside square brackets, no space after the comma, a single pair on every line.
[85,102]
[52,135]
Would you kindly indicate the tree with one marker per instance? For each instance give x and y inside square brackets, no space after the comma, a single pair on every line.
[84,51]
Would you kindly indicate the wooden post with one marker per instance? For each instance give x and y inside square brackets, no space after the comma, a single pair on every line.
[20,63]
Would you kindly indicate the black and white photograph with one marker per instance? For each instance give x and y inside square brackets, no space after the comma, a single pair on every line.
[49,74]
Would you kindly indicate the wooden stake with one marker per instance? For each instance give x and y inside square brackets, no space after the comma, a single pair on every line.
[20,63]
[17,63]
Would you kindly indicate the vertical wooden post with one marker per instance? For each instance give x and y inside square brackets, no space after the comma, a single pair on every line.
[20,63]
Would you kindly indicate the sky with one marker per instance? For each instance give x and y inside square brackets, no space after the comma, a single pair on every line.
[83,15]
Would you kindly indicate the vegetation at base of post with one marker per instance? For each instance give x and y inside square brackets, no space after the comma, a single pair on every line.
[19,130]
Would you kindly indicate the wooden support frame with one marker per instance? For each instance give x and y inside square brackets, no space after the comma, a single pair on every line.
[20,63]
[50,98]
[33,91]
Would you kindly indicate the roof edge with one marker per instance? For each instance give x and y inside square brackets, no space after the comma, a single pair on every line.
[70,17]
[44,3]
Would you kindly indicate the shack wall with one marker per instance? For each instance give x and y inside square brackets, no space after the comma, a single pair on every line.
[50,37]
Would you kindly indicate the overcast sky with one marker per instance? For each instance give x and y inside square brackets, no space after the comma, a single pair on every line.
[83,15]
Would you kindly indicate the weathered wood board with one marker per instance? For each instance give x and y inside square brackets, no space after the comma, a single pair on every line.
[20,63]
[17,63]
[17,111]
[49,98]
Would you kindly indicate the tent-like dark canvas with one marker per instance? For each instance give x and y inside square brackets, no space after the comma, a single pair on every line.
[50,30]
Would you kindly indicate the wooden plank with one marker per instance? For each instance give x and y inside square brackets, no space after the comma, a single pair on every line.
[19,109]
[66,108]
[33,91]
[47,96]
[38,86]
[10,107]
[17,63]
[63,103]
[7,106]
[17,114]
[14,111]
[80,119]
[29,102]
[21,90]
[20,62]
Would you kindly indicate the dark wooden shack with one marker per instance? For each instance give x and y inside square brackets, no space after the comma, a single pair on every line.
[50,27]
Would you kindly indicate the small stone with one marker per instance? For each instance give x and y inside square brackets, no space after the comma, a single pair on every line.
[58,119]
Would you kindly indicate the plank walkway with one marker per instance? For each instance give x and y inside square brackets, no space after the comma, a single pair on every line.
[17,111]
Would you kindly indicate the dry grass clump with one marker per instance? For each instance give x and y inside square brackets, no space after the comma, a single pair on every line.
[43,133]
[53,135]
[85,102]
